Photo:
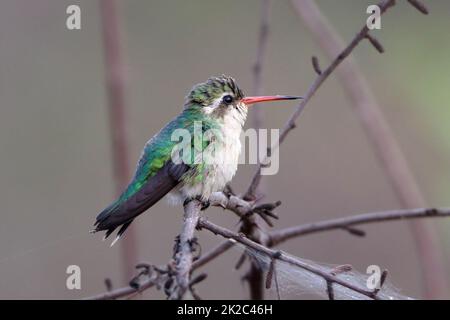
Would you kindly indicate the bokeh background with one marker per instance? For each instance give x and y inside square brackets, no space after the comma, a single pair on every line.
[55,149]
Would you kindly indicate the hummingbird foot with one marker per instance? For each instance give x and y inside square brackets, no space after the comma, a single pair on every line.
[204,203]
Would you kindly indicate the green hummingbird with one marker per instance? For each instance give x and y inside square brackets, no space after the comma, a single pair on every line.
[218,106]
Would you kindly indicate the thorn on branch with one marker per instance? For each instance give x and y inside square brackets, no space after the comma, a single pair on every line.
[330,290]
[265,211]
[195,294]
[176,245]
[354,231]
[316,66]
[169,286]
[376,44]
[241,261]
[272,274]
[145,270]
[196,249]
[419,6]
[383,277]
[228,191]
[198,279]
[432,212]
[108,284]
[341,269]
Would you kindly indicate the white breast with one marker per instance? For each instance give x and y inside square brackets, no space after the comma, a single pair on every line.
[225,158]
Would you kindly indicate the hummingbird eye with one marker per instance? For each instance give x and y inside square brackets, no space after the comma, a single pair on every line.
[228,99]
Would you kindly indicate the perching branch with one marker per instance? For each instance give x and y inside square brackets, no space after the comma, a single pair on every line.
[381,138]
[184,253]
[244,209]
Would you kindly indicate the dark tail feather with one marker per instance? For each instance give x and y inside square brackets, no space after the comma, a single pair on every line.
[120,232]
[122,212]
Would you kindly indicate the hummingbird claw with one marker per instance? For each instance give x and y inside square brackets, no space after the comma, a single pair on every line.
[205,205]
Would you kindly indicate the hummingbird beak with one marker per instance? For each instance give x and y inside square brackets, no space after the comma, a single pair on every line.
[252,100]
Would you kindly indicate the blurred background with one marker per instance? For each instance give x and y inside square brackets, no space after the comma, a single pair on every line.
[56,169]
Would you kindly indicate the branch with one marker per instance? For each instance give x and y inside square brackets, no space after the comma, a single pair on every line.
[279,236]
[123,292]
[277,255]
[183,256]
[381,138]
[290,124]
[244,209]
[211,255]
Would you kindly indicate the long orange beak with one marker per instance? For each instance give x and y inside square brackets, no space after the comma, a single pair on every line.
[252,100]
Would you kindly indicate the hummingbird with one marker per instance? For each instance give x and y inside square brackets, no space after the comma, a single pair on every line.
[217,105]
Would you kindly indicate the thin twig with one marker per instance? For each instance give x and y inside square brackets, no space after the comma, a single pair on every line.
[382,140]
[290,124]
[419,6]
[376,44]
[316,65]
[279,236]
[215,252]
[122,292]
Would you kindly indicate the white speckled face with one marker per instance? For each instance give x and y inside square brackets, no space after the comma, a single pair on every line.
[228,109]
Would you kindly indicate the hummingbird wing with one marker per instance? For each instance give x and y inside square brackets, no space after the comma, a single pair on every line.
[155,176]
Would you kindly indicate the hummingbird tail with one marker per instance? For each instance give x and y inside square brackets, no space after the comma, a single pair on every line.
[122,212]
[120,232]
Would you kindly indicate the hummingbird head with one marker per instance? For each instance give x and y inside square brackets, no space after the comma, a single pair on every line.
[220,97]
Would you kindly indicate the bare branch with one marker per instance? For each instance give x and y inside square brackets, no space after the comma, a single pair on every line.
[243,208]
[376,44]
[419,6]
[290,124]
[273,254]
[279,236]
[122,292]
[382,140]
[184,257]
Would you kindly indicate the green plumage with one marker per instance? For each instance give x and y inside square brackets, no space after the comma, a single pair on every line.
[158,150]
